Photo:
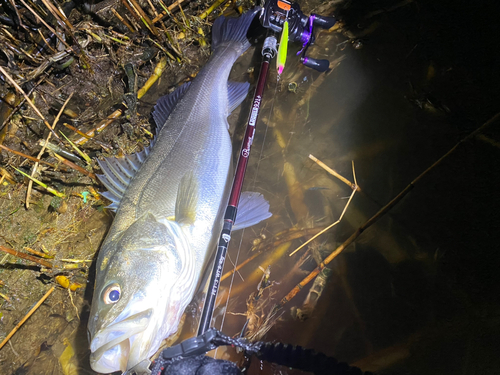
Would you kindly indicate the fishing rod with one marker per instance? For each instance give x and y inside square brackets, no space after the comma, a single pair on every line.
[278,16]
[287,18]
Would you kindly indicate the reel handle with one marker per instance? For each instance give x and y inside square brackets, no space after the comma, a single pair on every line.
[323,21]
[316,64]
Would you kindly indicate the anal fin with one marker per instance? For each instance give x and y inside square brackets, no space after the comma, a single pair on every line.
[252,209]
[236,93]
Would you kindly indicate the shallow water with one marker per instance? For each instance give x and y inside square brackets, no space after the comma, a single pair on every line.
[417,291]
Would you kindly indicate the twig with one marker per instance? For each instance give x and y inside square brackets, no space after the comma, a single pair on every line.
[10,100]
[6,175]
[48,188]
[17,13]
[160,67]
[124,21]
[143,17]
[20,90]
[79,132]
[18,325]
[80,152]
[27,156]
[167,10]
[338,221]
[26,256]
[153,9]
[76,167]
[327,228]
[59,16]
[45,41]
[100,126]
[288,236]
[33,171]
[211,9]
[333,173]
[377,216]
[48,27]
[69,28]
[40,254]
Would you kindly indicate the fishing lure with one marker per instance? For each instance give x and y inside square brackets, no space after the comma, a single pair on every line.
[283,48]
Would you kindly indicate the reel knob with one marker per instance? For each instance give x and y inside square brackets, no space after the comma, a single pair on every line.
[316,64]
[323,21]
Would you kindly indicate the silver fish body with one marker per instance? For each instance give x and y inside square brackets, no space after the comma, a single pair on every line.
[169,215]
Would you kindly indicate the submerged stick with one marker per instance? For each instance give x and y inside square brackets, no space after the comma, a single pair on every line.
[290,235]
[354,189]
[377,216]
[327,228]
[18,325]
[334,173]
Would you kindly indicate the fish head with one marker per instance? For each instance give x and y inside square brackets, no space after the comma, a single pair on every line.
[145,279]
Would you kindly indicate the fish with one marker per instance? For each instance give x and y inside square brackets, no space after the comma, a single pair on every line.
[169,201]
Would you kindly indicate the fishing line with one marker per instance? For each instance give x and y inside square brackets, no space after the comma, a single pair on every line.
[243,230]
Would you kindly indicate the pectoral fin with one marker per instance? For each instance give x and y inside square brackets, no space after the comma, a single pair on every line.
[187,198]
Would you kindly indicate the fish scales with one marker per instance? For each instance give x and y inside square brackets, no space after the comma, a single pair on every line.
[168,218]
[181,144]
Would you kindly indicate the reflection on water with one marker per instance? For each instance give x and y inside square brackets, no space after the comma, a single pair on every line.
[416,292]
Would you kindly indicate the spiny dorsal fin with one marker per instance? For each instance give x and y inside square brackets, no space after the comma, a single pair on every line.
[187,198]
[118,172]
[236,93]
[166,104]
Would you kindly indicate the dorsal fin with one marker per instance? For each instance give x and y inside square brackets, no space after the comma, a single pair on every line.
[236,93]
[166,104]
[118,172]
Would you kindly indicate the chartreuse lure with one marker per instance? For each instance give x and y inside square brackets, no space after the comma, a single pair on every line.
[283,48]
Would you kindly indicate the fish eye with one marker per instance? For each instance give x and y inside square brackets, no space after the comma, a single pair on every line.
[111,294]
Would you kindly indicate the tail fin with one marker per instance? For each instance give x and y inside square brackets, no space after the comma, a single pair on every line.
[233,30]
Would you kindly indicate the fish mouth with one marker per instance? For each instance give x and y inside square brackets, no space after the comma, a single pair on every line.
[111,347]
